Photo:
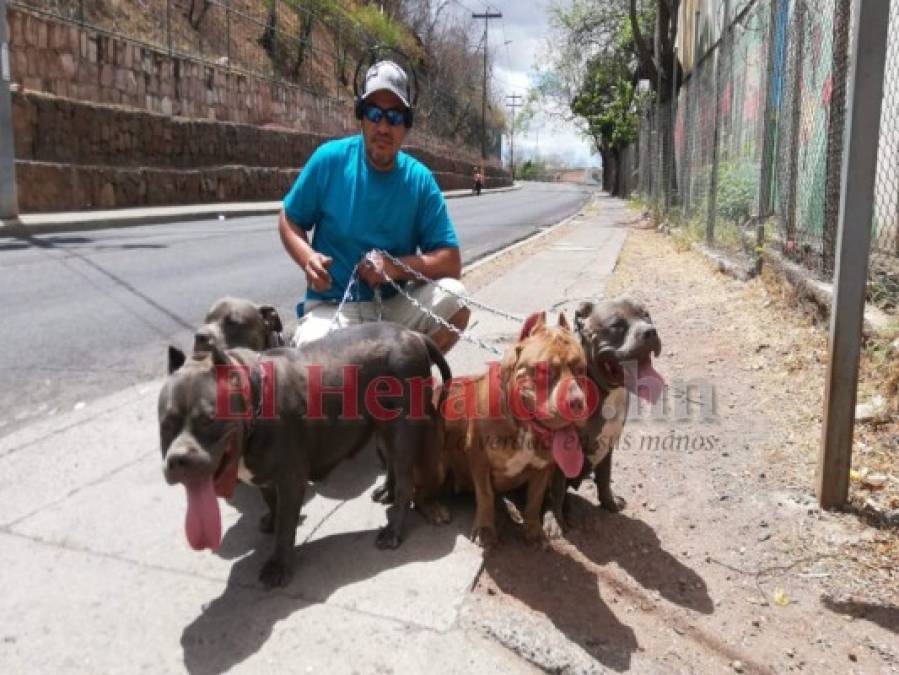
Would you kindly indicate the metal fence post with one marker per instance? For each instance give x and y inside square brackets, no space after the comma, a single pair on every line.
[9,205]
[769,123]
[228,32]
[836,121]
[795,118]
[865,87]
[713,180]
[168,24]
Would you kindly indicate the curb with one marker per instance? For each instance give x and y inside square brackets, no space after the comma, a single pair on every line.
[489,257]
[79,221]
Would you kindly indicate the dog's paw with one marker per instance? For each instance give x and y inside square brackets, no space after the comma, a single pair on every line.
[275,573]
[434,512]
[485,537]
[533,535]
[382,494]
[552,528]
[267,523]
[388,538]
[611,503]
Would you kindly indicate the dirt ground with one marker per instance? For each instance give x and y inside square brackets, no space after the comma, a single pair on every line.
[721,560]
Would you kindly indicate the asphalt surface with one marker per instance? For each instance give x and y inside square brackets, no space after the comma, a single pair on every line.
[89,313]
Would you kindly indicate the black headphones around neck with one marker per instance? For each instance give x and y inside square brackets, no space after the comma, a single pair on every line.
[374,54]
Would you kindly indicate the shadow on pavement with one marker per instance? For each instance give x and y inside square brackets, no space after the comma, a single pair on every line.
[885,616]
[634,546]
[237,624]
[568,594]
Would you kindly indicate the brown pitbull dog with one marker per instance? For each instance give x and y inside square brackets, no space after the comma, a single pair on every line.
[512,426]
[235,322]
[619,339]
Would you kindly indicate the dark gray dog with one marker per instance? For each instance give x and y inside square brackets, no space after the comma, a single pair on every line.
[235,322]
[619,339]
[300,412]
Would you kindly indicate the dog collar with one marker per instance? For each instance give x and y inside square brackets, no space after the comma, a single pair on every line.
[226,478]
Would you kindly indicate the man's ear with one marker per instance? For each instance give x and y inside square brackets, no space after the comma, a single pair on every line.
[176,359]
[584,310]
[271,318]
[532,324]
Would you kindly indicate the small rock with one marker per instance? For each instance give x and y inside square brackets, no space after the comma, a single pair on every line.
[765,537]
[875,410]
[737,666]
[853,657]
[791,652]
[874,481]
[79,405]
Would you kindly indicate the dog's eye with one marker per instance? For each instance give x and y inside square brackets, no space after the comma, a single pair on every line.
[202,421]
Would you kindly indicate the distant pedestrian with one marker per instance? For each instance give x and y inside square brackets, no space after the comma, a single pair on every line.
[478,181]
[362,193]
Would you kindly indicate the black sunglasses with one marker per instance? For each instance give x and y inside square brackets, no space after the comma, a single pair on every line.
[374,114]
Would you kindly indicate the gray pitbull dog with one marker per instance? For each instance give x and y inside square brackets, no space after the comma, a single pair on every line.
[235,322]
[290,416]
[619,339]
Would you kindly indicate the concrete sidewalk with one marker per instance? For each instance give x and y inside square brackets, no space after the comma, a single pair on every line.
[76,221]
[99,577]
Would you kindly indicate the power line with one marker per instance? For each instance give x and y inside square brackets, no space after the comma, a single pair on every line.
[514,105]
[486,16]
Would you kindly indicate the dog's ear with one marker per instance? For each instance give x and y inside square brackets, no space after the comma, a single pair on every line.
[176,359]
[532,324]
[563,322]
[218,356]
[203,341]
[584,310]
[271,318]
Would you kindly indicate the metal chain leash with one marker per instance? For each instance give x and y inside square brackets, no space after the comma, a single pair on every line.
[347,294]
[464,298]
[439,319]
[354,280]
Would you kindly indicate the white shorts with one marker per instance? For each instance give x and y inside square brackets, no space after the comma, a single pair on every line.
[318,316]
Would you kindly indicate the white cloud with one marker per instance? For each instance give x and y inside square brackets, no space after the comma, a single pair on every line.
[525,26]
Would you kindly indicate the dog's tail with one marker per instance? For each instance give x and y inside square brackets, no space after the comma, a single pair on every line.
[437,359]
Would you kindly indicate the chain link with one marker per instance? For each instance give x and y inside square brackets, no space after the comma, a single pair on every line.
[354,279]
[347,294]
[464,298]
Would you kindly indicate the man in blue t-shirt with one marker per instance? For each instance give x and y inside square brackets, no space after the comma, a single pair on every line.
[362,193]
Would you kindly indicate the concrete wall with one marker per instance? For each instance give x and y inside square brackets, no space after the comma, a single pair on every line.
[87,65]
[72,155]
[102,122]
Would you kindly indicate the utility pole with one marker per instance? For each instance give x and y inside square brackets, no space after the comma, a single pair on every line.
[514,104]
[9,208]
[486,16]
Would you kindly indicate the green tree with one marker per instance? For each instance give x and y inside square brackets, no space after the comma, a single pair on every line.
[598,54]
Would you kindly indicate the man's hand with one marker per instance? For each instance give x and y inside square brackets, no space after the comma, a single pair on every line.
[316,269]
[372,268]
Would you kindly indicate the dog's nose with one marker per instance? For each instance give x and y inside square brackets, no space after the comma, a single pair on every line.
[650,334]
[181,463]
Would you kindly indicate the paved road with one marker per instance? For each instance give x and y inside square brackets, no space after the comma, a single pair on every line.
[88,313]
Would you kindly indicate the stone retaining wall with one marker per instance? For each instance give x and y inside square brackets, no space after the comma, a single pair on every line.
[89,65]
[73,155]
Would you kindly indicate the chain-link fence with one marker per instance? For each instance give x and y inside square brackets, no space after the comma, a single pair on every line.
[312,44]
[758,138]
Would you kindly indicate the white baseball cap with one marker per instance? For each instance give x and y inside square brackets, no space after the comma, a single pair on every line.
[386,75]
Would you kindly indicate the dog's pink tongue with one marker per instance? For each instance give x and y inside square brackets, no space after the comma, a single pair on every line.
[567,451]
[203,524]
[651,384]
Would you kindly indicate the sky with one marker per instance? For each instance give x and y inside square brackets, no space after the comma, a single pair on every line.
[525,26]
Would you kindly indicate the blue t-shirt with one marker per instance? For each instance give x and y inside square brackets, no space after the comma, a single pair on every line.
[355,208]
